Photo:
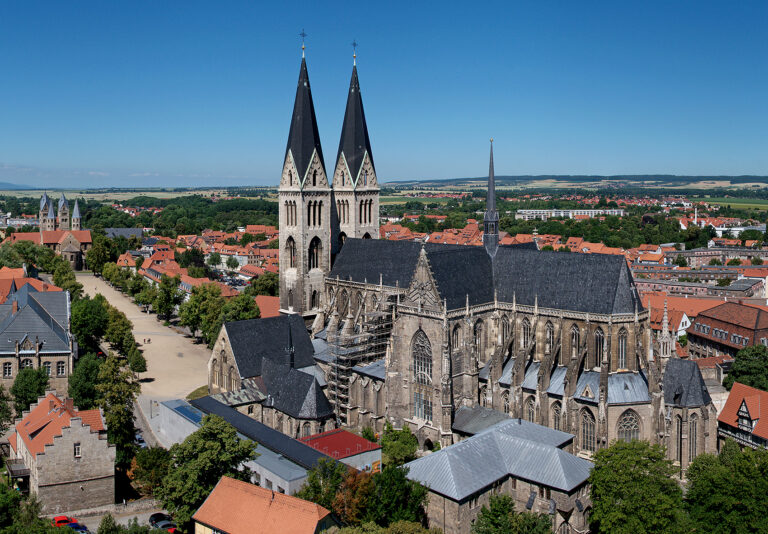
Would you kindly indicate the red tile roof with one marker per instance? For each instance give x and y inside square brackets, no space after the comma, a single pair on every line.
[237,507]
[756,401]
[269,306]
[5,286]
[340,443]
[45,421]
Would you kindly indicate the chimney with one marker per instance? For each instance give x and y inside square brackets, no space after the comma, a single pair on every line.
[50,405]
[15,307]
[69,405]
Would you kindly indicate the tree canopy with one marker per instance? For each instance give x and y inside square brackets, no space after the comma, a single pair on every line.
[750,367]
[117,390]
[500,517]
[398,446]
[29,385]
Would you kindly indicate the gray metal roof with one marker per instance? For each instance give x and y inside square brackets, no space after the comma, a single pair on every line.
[684,385]
[506,373]
[531,376]
[627,388]
[588,383]
[461,470]
[473,420]
[124,232]
[41,315]
[375,370]
[557,381]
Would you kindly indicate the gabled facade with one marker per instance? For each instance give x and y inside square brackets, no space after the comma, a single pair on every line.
[745,417]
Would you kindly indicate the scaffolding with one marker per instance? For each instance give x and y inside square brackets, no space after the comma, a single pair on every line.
[362,345]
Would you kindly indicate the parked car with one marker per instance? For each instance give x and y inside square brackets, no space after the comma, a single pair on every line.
[140,440]
[61,520]
[156,518]
[77,527]
[170,526]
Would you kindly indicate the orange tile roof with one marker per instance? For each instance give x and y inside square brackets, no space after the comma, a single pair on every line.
[756,401]
[5,286]
[691,306]
[45,421]
[269,306]
[237,507]
[9,273]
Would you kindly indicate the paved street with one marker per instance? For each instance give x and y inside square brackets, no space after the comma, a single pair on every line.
[93,522]
[175,365]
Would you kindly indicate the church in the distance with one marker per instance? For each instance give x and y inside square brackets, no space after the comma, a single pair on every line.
[446,339]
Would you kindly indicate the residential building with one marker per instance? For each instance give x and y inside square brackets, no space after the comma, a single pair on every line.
[741,418]
[726,329]
[236,507]
[62,455]
[544,214]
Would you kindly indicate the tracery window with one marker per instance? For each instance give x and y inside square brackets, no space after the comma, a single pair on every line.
[315,249]
[628,427]
[549,338]
[306,430]
[526,339]
[421,352]
[556,415]
[599,344]
[692,437]
[290,247]
[679,440]
[623,349]
[505,327]
[588,440]
[456,336]
[215,375]
[479,338]
[505,402]
[575,338]
[343,303]
[315,301]
[530,410]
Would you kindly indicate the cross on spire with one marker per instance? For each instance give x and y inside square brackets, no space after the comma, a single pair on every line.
[303,36]
[354,52]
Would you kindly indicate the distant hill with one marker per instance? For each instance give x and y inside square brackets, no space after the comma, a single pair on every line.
[656,180]
[6,186]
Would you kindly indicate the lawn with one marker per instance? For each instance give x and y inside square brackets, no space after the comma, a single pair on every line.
[743,203]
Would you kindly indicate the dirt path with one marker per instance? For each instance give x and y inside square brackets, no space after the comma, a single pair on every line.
[175,365]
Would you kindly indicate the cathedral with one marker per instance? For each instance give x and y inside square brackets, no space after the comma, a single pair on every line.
[61,219]
[440,338]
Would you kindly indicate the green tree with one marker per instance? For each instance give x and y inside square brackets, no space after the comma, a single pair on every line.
[353,496]
[266,284]
[168,296]
[119,330]
[232,263]
[369,434]
[395,497]
[680,261]
[398,446]
[724,282]
[274,244]
[757,260]
[633,490]
[734,261]
[214,259]
[398,527]
[136,361]
[117,392]
[65,279]
[100,253]
[323,481]
[240,308]
[199,462]
[82,382]
[10,501]
[728,493]
[147,296]
[715,261]
[150,467]
[89,320]
[500,517]
[750,367]
[193,312]
[27,387]
[6,410]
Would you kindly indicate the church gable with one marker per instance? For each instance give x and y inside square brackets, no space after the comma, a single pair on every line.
[366,176]
[315,174]
[423,291]
[341,177]
[290,174]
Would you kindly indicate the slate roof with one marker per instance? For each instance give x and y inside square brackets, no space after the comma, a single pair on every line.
[76,211]
[531,376]
[255,340]
[628,388]
[43,201]
[557,381]
[62,201]
[473,420]
[294,450]
[124,232]
[354,142]
[303,137]
[516,273]
[589,379]
[41,315]
[377,369]
[463,469]
[683,384]
[294,392]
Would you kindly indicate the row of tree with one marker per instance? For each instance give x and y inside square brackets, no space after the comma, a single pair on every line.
[206,310]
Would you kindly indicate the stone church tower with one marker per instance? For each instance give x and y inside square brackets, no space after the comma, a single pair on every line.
[76,219]
[64,222]
[355,187]
[305,209]
[47,217]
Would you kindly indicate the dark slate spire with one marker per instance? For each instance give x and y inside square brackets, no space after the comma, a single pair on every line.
[303,137]
[491,219]
[354,133]
[76,211]
[62,201]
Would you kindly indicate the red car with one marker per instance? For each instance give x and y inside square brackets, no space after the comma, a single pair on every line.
[62,520]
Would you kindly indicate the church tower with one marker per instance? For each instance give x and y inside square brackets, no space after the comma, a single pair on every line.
[76,219]
[355,187]
[64,223]
[46,216]
[305,209]
[491,219]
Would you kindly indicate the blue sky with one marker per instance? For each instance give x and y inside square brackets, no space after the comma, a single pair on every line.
[141,93]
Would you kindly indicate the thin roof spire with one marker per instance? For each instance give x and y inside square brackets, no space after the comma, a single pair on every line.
[354,52]
[303,35]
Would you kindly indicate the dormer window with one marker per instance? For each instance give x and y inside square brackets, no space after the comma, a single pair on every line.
[746,422]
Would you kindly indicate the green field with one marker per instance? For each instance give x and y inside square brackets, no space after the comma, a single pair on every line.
[743,203]
[404,199]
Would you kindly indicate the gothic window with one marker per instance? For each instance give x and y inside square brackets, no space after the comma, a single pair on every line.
[679,440]
[525,340]
[306,430]
[483,396]
[309,214]
[315,301]
[623,349]
[504,328]
[360,303]
[365,177]
[314,178]
[456,337]
[231,379]
[556,415]
[599,345]
[588,440]
[421,351]
[367,235]
[692,437]
[215,374]
[290,248]
[47,368]
[342,238]
[575,341]
[290,178]
[287,213]
[479,338]
[343,303]
[360,218]
[290,298]
[549,338]
[370,210]
[315,249]
[505,402]
[628,427]
[530,410]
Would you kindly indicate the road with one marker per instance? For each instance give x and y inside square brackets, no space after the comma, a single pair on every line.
[175,364]
[93,522]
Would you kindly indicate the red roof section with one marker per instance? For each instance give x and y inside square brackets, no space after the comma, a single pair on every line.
[237,507]
[45,421]
[340,443]
[756,400]
[269,306]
